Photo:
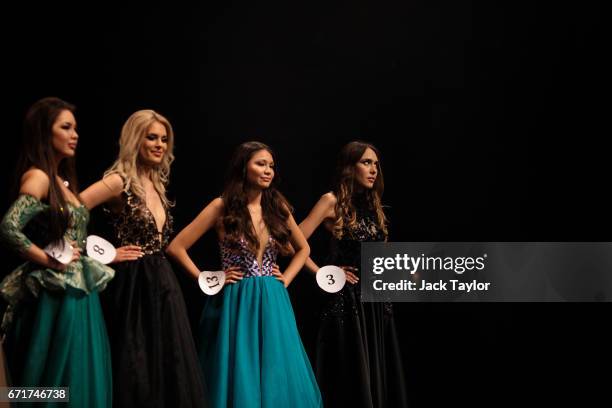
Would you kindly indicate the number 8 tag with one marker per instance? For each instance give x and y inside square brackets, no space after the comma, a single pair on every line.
[211,283]
[331,278]
[100,249]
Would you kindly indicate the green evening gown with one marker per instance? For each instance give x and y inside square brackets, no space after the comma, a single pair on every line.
[54,328]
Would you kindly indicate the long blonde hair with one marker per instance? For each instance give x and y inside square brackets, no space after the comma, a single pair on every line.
[132,135]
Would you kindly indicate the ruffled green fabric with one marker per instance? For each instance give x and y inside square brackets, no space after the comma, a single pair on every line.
[86,274]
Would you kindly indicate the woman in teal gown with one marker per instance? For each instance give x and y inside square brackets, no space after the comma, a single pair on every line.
[53,326]
[249,345]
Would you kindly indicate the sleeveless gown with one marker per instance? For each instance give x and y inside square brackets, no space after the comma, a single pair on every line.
[358,361]
[155,362]
[55,333]
[250,347]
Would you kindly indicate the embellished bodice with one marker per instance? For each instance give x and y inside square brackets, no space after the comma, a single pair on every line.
[346,251]
[27,220]
[135,225]
[238,253]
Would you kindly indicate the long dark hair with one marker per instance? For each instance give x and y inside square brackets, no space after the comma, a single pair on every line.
[274,207]
[37,151]
[344,188]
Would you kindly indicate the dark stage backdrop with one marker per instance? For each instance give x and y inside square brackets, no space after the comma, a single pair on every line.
[488,116]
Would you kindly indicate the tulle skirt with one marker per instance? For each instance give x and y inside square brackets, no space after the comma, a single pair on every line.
[59,340]
[359,363]
[155,362]
[251,351]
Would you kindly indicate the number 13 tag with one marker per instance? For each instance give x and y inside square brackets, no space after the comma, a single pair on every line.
[331,279]
[211,283]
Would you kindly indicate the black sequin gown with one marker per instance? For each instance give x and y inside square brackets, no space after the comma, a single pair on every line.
[155,362]
[358,362]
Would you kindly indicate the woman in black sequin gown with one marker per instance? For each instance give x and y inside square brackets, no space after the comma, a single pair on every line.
[155,363]
[358,360]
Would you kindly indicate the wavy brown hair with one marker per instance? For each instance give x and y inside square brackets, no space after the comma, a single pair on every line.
[345,191]
[275,208]
[37,151]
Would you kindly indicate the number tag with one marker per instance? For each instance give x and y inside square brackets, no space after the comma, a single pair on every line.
[331,279]
[100,249]
[211,283]
[63,253]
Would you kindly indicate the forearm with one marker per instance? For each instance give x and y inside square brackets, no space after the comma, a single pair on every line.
[311,265]
[180,255]
[37,255]
[296,264]
[26,249]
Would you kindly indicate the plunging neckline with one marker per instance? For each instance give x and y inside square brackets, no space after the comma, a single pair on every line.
[263,253]
[254,255]
[260,264]
[163,227]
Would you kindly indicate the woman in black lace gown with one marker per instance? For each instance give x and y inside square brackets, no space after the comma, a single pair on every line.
[155,363]
[358,360]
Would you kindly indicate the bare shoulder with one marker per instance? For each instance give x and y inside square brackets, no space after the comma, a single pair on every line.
[329,199]
[214,209]
[211,215]
[325,208]
[35,182]
[217,204]
[114,182]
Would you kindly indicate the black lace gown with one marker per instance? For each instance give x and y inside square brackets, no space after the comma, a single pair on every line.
[155,362]
[358,362]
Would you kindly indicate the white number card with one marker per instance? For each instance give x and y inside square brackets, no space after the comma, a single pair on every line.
[63,253]
[331,278]
[100,249]
[211,283]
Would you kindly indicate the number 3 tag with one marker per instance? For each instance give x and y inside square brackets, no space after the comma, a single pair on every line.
[331,279]
[100,249]
[211,283]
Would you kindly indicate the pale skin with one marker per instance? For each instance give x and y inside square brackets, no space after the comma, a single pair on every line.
[108,190]
[260,172]
[366,171]
[36,182]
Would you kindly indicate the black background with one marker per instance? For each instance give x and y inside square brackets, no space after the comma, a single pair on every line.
[489,116]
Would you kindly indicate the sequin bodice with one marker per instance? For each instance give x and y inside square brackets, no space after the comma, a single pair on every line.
[135,225]
[238,253]
[347,250]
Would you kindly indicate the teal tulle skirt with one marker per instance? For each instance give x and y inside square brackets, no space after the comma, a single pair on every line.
[59,340]
[251,351]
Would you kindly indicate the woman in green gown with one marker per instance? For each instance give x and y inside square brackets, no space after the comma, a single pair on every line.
[53,327]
